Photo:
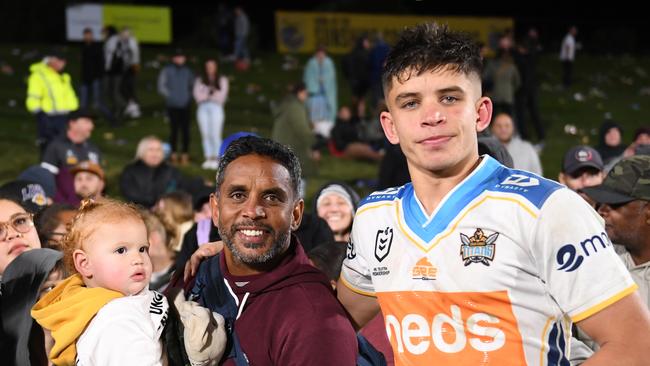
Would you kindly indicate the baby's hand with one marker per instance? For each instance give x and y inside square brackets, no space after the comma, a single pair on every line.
[205,334]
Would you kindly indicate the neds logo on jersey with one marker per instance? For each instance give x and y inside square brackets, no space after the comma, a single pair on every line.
[452,328]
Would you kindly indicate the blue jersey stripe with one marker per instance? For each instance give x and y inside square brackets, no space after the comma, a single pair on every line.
[490,175]
[556,355]
[473,186]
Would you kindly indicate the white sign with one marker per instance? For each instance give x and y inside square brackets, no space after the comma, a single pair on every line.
[79,17]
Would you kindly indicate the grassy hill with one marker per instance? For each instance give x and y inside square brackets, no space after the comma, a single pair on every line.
[607,86]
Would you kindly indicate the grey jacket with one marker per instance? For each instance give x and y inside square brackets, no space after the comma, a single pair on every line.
[175,84]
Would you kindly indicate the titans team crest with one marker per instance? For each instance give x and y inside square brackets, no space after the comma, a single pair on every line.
[478,248]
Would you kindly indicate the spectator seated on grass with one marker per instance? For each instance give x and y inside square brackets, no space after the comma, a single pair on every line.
[147,178]
[345,141]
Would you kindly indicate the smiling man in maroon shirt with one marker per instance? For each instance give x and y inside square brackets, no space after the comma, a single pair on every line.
[287,312]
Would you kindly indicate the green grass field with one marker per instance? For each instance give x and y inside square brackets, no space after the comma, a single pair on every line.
[617,86]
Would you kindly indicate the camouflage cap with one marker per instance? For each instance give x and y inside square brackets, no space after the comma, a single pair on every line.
[628,180]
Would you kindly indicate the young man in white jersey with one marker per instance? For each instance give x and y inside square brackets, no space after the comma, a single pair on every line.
[474,263]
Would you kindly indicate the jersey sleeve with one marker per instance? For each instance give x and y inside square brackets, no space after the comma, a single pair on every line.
[356,272]
[576,259]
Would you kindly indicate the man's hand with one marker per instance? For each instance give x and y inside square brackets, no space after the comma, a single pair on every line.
[206,250]
[204,332]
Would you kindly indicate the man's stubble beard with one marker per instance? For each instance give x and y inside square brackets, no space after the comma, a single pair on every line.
[279,245]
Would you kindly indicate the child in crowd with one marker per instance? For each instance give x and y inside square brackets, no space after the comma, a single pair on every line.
[104,314]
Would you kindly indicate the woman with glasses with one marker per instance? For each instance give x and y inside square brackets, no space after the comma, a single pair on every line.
[20,284]
[17,232]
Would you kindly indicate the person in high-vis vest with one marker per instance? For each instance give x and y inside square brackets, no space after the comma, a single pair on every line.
[50,97]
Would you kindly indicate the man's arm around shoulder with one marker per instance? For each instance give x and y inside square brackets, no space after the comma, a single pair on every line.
[361,308]
[623,332]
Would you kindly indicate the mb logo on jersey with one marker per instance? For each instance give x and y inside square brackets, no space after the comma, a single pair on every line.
[383,241]
[478,248]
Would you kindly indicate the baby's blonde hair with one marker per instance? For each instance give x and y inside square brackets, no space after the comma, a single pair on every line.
[91,215]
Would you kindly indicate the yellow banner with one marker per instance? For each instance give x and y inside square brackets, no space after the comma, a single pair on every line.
[149,24]
[303,32]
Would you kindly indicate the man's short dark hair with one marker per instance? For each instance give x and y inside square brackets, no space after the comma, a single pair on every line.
[250,145]
[296,88]
[81,113]
[431,47]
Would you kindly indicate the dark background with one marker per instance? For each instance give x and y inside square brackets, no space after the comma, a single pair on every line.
[602,29]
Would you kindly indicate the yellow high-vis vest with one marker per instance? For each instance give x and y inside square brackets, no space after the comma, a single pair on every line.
[49,91]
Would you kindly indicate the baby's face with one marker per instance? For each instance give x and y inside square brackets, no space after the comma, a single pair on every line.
[118,256]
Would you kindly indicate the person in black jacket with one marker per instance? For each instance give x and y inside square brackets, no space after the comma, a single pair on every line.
[92,72]
[149,176]
[356,69]
[346,140]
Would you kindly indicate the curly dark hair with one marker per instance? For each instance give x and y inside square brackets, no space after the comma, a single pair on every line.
[265,147]
[430,47]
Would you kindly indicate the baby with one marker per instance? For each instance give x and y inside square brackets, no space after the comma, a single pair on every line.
[105,314]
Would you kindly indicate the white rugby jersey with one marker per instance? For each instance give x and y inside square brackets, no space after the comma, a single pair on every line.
[495,276]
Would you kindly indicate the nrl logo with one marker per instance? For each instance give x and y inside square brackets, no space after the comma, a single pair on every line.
[383,241]
[478,248]
[351,253]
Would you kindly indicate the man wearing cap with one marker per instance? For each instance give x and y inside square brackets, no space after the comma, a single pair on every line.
[68,150]
[50,97]
[582,167]
[175,84]
[623,199]
[88,180]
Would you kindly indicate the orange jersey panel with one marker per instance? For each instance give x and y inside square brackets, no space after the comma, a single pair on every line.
[453,328]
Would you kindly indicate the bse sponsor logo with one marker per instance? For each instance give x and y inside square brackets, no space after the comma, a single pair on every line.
[521,180]
[383,241]
[571,256]
[351,253]
[424,270]
[468,328]
[478,248]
